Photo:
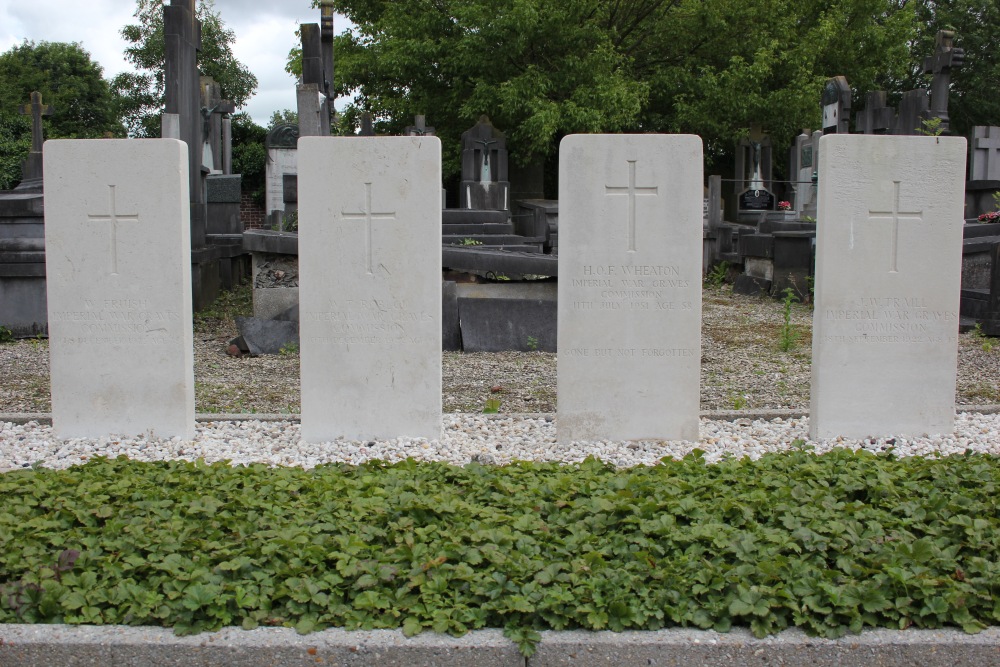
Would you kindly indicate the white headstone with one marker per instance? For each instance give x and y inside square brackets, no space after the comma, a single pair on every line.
[118,273]
[370,287]
[888,274]
[629,287]
[280,161]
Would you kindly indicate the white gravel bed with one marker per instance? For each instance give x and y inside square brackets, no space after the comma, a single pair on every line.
[467,437]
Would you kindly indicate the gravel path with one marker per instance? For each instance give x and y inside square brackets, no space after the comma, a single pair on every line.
[742,368]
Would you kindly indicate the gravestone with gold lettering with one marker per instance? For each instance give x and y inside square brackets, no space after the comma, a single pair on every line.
[629,287]
[370,287]
[118,255]
[888,274]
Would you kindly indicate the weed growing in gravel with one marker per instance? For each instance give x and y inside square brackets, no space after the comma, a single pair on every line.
[6,335]
[289,349]
[532,343]
[986,342]
[738,401]
[789,337]
[492,406]
[717,275]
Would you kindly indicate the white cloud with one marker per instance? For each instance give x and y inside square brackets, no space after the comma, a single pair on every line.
[264,29]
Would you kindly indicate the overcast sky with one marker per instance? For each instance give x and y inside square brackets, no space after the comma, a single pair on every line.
[265,32]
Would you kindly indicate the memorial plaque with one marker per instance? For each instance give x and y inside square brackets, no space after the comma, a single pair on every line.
[118,265]
[370,287]
[888,274]
[629,287]
[756,200]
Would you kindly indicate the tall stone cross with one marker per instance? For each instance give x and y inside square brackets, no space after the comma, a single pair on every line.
[36,110]
[895,215]
[946,57]
[368,215]
[631,191]
[114,218]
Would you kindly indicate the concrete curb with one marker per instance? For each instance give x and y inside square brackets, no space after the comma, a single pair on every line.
[719,415]
[93,646]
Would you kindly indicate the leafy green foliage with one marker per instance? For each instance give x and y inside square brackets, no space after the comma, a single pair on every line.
[788,336]
[69,81]
[6,335]
[250,155]
[141,96]
[831,544]
[717,275]
[973,99]
[542,70]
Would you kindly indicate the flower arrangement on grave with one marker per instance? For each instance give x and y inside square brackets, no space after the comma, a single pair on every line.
[992,216]
[784,206]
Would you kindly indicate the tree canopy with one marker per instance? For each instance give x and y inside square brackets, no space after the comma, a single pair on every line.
[141,93]
[542,69]
[69,81]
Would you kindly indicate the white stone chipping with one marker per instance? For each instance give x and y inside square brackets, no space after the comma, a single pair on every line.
[467,437]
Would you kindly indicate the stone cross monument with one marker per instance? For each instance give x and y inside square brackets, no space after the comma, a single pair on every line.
[31,168]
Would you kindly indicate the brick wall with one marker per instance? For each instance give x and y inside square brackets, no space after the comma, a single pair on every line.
[251,214]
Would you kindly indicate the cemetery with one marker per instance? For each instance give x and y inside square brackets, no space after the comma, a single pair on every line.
[447,406]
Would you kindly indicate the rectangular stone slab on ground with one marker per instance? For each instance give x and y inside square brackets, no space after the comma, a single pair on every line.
[629,287]
[370,287]
[118,256]
[888,274]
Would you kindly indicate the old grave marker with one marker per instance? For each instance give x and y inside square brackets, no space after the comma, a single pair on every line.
[630,287]
[888,273]
[370,291]
[118,254]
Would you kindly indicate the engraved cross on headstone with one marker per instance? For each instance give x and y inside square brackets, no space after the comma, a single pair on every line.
[368,216]
[895,215]
[114,218]
[632,191]
[36,110]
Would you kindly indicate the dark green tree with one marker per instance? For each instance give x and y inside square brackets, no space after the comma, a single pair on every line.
[974,99]
[543,69]
[141,93]
[69,81]
[249,154]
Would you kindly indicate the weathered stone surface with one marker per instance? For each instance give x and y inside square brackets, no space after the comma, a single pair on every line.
[630,287]
[888,272]
[371,318]
[119,287]
[267,336]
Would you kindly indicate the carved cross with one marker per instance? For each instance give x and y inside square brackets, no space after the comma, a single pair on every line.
[36,110]
[368,216]
[895,215]
[631,191]
[946,57]
[114,218]
[991,144]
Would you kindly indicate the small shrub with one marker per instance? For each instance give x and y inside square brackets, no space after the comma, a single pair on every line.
[789,336]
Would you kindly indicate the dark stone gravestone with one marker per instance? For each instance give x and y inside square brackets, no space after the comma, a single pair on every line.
[753,169]
[484,168]
[984,153]
[419,128]
[182,106]
[31,168]
[836,103]
[367,125]
[23,299]
[876,117]
[913,109]
[314,96]
[946,58]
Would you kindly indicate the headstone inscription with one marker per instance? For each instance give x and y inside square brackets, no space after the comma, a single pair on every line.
[119,287]
[629,322]
[370,317]
[888,274]
[31,168]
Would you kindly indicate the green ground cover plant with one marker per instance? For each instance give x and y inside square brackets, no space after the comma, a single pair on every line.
[831,544]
